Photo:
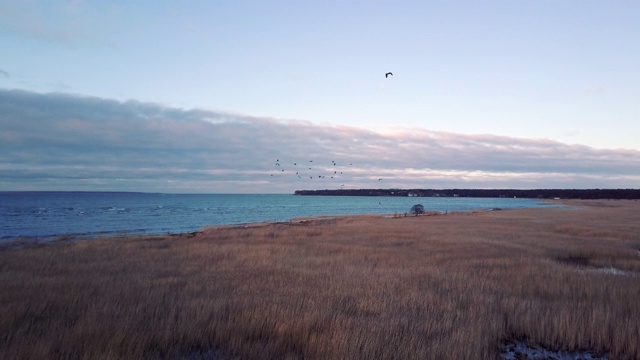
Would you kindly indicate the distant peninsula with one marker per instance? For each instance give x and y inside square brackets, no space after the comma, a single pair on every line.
[484,193]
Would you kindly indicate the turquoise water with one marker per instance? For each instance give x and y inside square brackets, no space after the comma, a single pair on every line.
[52,214]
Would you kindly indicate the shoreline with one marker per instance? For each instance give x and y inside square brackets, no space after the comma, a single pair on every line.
[48,217]
[29,241]
[23,242]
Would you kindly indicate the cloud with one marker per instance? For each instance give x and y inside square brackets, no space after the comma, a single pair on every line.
[4,74]
[67,142]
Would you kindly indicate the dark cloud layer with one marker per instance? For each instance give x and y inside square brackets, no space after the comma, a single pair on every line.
[67,142]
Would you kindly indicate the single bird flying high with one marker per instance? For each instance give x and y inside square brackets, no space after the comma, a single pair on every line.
[387,74]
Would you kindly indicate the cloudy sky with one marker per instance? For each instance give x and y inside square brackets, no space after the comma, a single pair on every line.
[222,96]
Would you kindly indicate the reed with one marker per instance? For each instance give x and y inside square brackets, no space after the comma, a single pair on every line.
[450,286]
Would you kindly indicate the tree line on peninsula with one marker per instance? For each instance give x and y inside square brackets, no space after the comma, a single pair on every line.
[485,193]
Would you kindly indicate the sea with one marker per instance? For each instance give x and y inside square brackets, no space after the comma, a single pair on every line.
[51,215]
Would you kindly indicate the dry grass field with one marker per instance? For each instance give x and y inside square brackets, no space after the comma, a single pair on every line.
[455,286]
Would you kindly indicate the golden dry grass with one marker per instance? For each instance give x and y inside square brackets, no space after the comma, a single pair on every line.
[362,287]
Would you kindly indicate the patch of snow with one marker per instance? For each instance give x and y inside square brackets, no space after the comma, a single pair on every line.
[516,350]
[611,270]
[608,270]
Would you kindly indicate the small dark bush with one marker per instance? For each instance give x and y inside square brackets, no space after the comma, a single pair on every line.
[417,209]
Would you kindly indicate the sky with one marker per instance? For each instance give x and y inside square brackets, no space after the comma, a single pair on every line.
[221,96]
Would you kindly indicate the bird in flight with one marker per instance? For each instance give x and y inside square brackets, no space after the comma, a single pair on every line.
[387,74]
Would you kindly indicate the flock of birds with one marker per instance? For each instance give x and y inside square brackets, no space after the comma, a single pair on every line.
[306,171]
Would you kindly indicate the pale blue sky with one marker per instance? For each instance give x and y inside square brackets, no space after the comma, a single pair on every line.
[557,71]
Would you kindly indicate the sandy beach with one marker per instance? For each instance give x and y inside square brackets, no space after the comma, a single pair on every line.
[465,285]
